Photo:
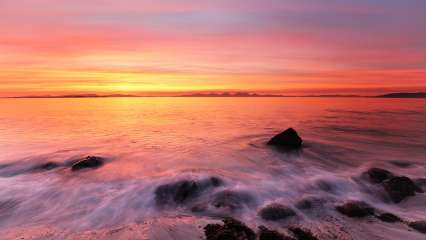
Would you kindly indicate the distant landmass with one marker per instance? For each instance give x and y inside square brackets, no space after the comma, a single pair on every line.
[249,94]
[79,96]
[404,95]
[230,94]
[233,94]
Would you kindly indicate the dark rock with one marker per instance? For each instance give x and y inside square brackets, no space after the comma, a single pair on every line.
[378,175]
[309,203]
[276,212]
[179,191]
[88,162]
[305,204]
[401,164]
[302,234]
[230,230]
[326,186]
[355,209]
[266,234]
[389,217]
[213,231]
[182,191]
[399,188]
[289,139]
[46,166]
[231,200]
[419,226]
[216,182]
[421,182]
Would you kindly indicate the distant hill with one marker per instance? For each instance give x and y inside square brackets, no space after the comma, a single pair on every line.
[230,94]
[249,94]
[404,95]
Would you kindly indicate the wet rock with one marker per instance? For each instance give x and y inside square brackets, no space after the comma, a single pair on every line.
[231,200]
[216,182]
[309,203]
[230,230]
[302,234]
[304,204]
[182,191]
[399,188]
[88,162]
[326,186]
[266,234]
[401,164]
[289,139]
[46,166]
[421,182]
[378,175]
[419,226]
[179,192]
[355,209]
[276,212]
[389,217]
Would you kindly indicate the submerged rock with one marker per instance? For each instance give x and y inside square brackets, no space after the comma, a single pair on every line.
[302,234]
[309,203]
[181,191]
[230,230]
[46,166]
[401,164]
[88,162]
[355,209]
[289,139]
[304,204]
[399,188]
[231,200]
[419,226]
[421,182]
[326,186]
[378,175]
[389,217]
[266,234]
[276,212]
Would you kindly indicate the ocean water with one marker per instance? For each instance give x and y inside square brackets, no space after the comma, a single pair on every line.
[149,142]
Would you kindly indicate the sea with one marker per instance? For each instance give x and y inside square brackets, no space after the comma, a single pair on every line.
[150,142]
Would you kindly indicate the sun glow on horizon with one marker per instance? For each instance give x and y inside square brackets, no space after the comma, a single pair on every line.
[272,46]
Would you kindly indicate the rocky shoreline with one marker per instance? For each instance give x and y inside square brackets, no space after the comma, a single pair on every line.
[208,196]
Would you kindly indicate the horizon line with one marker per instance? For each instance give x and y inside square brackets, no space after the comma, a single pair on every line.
[229,94]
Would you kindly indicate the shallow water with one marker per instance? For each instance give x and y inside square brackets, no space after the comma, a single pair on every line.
[149,142]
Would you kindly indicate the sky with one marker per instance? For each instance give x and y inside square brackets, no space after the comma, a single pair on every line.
[171,46]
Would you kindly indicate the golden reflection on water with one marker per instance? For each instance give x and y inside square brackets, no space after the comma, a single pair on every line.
[159,134]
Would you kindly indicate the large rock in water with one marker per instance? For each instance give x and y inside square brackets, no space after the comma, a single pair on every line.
[184,190]
[88,162]
[389,217]
[419,226]
[355,209]
[378,175]
[302,234]
[231,200]
[266,234]
[276,212]
[230,230]
[289,139]
[399,188]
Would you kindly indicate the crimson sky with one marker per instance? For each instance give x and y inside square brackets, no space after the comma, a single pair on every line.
[168,46]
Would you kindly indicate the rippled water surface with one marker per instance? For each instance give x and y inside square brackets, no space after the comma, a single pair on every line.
[150,142]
